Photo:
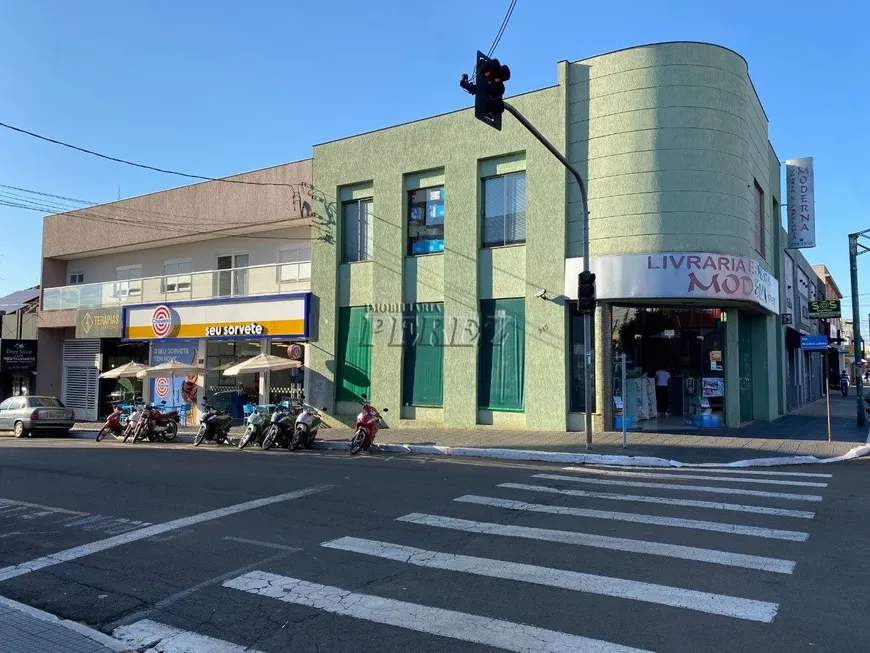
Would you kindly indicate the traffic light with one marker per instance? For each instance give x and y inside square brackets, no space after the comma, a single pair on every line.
[586,292]
[489,90]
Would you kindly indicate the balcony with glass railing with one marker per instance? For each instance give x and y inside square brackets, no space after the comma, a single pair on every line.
[272,279]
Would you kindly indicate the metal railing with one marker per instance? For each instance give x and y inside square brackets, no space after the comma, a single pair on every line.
[270,279]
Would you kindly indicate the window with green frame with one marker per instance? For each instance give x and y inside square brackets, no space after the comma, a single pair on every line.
[354,354]
[501,355]
[423,343]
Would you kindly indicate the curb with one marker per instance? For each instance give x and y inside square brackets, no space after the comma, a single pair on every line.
[560,457]
[94,635]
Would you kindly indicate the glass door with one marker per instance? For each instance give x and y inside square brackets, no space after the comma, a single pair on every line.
[744,346]
[231,278]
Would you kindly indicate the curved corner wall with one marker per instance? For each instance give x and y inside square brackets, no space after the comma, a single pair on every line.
[671,138]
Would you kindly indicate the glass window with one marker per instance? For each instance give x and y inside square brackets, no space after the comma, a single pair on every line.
[294,262]
[501,355]
[354,358]
[17,404]
[176,276]
[426,220]
[423,342]
[5,405]
[577,399]
[44,402]
[758,210]
[76,277]
[231,279]
[504,210]
[357,230]
[129,281]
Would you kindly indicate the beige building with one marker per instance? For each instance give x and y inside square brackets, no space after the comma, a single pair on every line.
[183,274]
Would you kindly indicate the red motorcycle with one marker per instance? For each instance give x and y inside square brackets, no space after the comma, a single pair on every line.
[157,425]
[368,423]
[113,424]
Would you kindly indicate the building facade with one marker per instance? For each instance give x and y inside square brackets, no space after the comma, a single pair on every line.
[446,254]
[18,344]
[207,274]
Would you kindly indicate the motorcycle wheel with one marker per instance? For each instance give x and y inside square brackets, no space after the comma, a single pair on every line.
[269,440]
[200,436]
[356,443]
[246,438]
[296,442]
[171,432]
[127,433]
[103,433]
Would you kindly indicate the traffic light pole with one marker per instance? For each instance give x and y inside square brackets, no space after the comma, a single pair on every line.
[587,317]
[857,344]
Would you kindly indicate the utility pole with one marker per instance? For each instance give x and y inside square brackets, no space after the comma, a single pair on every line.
[488,106]
[857,343]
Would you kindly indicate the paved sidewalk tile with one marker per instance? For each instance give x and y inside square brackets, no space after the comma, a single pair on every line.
[21,632]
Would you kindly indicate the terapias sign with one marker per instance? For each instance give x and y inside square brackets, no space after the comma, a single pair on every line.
[677,275]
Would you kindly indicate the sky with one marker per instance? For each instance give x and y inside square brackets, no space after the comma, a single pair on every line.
[215,87]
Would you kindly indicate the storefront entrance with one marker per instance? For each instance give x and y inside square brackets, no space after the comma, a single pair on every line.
[675,365]
[744,337]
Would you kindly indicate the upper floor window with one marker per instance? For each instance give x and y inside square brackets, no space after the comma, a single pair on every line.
[231,277]
[176,276]
[758,212]
[76,277]
[357,230]
[504,210]
[294,262]
[129,281]
[426,220]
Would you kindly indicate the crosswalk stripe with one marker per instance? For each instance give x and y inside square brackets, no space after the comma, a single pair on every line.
[699,477]
[730,470]
[153,636]
[711,556]
[496,633]
[720,604]
[688,488]
[677,522]
[668,501]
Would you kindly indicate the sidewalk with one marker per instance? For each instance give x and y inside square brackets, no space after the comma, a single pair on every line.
[27,630]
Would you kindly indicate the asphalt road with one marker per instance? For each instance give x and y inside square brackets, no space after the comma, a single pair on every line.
[163,541]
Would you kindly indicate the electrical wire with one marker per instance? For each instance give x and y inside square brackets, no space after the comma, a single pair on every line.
[501,29]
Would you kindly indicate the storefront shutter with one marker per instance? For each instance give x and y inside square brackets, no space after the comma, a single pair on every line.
[354,357]
[423,372]
[502,352]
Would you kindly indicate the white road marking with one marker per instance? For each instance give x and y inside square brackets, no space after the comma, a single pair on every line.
[721,604]
[695,470]
[692,503]
[506,635]
[160,638]
[697,477]
[150,531]
[712,556]
[269,545]
[677,522]
[4,502]
[687,488]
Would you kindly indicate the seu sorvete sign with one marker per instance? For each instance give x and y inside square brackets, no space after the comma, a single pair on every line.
[17,355]
[825,309]
[98,323]
[677,275]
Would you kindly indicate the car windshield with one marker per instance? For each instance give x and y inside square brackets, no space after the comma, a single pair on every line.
[43,402]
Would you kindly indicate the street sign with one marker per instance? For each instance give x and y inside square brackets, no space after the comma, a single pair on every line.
[786,319]
[825,309]
[814,343]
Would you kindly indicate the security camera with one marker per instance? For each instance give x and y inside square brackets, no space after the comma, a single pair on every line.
[542,293]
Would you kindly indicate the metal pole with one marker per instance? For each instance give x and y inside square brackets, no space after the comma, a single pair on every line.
[587,318]
[827,396]
[857,345]
[624,404]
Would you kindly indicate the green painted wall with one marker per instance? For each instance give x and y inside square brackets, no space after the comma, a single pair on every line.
[463,149]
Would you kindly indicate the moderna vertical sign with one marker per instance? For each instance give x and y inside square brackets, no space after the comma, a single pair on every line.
[800,191]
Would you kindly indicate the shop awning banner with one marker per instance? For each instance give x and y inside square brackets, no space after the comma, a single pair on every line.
[677,275]
[249,318]
[800,193]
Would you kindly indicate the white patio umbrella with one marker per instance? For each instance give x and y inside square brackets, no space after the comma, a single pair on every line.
[262,363]
[126,371]
[171,368]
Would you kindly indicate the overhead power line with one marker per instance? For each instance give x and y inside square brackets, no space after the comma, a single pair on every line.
[501,29]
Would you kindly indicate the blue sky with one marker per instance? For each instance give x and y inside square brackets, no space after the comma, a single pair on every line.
[216,87]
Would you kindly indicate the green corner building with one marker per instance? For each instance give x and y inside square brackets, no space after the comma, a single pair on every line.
[446,255]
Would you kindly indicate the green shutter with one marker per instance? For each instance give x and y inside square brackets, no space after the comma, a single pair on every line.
[502,354]
[423,371]
[354,360]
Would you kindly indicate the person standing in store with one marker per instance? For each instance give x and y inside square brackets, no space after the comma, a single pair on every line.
[663,381]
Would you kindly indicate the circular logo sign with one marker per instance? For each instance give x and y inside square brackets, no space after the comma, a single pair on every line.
[161,321]
[294,352]
[161,387]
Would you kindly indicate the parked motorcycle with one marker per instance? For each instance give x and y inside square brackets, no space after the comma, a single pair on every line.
[157,426]
[255,427]
[367,426]
[213,426]
[133,422]
[114,424]
[280,429]
[305,429]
